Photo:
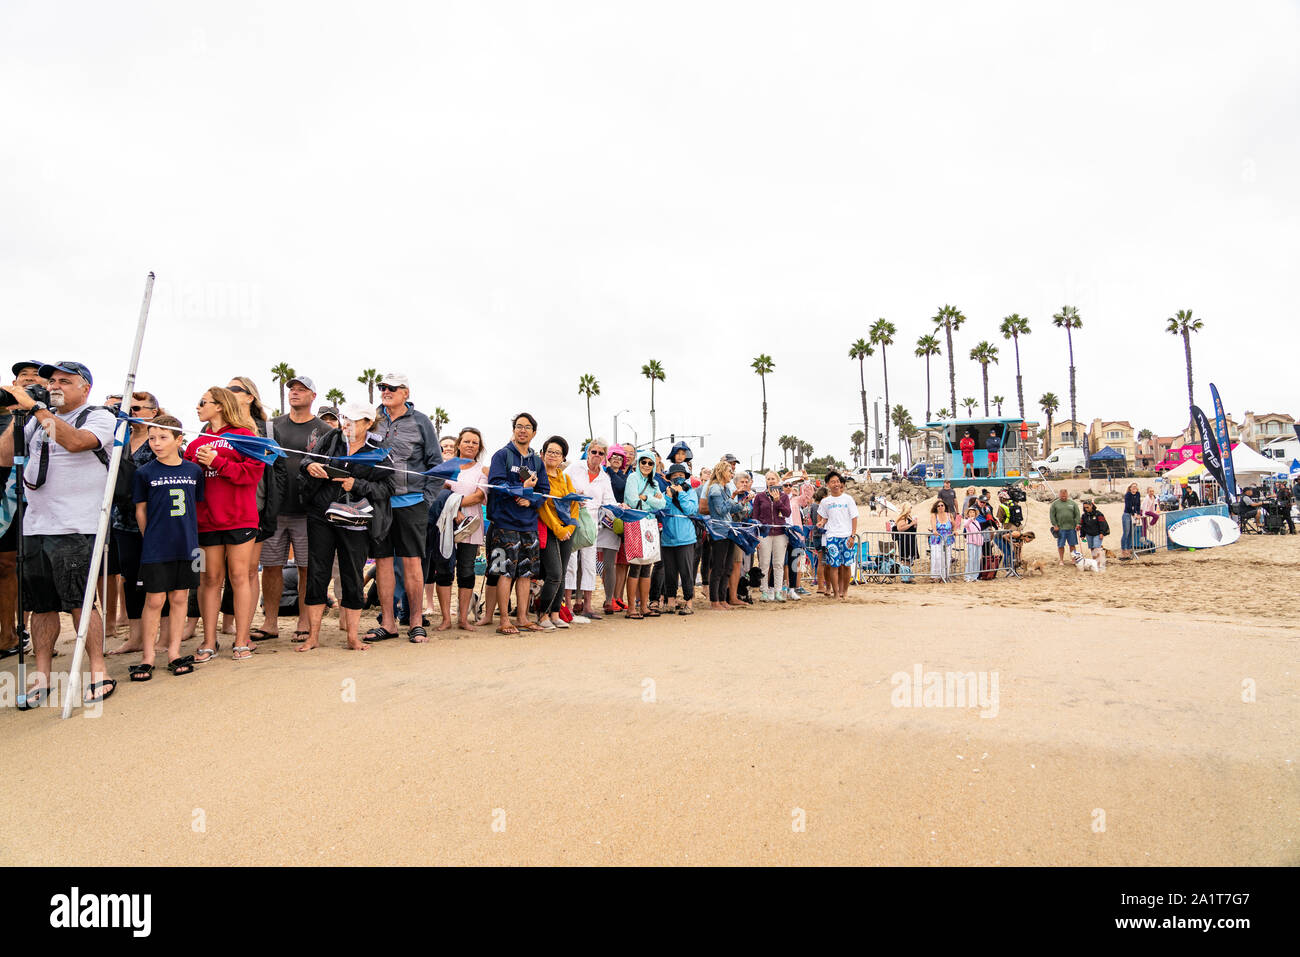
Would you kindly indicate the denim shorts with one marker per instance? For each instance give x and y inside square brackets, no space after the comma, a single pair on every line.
[1094,541]
[1066,536]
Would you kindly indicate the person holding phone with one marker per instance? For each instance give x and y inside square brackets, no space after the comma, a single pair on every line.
[513,555]
[678,538]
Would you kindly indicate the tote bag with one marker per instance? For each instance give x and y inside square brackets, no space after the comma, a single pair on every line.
[585,534]
[641,541]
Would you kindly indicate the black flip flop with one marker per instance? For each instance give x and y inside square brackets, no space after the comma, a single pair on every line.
[299,640]
[139,673]
[34,699]
[378,633]
[109,685]
[181,666]
[261,634]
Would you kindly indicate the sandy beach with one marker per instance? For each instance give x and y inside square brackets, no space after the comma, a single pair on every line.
[766,735]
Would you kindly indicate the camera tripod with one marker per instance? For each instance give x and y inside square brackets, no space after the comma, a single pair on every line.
[19,427]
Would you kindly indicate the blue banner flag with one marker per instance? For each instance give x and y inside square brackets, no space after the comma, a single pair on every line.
[254,446]
[626,514]
[447,469]
[1225,447]
[365,456]
[1210,456]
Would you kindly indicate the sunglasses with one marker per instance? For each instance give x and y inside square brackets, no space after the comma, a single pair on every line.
[203,402]
[238,388]
[141,408]
[384,387]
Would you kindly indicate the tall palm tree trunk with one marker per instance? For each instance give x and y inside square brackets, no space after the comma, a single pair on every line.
[862,381]
[590,432]
[652,413]
[1020,391]
[1074,417]
[984,368]
[952,370]
[885,362]
[1187,350]
[1047,439]
[762,449]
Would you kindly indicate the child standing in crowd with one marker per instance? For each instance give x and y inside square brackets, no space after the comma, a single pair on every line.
[227,518]
[974,543]
[166,493]
[679,537]
[642,493]
[838,516]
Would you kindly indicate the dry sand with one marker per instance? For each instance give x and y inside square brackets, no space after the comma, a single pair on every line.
[706,740]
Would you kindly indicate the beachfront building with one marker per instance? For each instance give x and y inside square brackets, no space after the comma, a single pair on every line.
[926,447]
[1260,430]
[1067,432]
[1118,435]
[1153,450]
[1192,436]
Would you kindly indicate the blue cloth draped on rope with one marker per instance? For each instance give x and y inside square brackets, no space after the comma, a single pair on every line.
[798,535]
[534,496]
[743,534]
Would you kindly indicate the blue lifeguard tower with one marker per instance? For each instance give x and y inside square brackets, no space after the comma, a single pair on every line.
[1013,458]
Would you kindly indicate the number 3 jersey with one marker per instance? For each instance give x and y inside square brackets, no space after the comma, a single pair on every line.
[171,494]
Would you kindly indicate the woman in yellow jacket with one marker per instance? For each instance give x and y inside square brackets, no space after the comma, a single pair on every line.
[559,536]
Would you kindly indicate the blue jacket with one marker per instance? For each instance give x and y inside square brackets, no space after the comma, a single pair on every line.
[723,508]
[415,449]
[637,486]
[678,527]
[503,511]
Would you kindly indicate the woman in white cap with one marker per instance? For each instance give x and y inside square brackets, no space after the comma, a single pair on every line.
[342,498]
[642,493]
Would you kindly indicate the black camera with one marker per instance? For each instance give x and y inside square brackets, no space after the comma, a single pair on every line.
[38,393]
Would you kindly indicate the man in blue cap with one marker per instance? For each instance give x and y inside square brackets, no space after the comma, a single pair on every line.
[67,451]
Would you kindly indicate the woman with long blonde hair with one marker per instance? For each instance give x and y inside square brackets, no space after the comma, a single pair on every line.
[721,507]
[227,517]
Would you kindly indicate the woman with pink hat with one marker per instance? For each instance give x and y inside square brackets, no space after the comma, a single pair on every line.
[609,542]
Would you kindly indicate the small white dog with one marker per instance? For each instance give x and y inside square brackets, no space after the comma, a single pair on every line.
[1086,564]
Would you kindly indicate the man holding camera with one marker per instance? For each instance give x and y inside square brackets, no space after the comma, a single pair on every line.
[65,479]
[26,372]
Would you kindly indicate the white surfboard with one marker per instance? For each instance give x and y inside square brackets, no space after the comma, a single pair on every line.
[1204,531]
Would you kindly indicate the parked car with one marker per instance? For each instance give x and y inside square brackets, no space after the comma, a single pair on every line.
[1063,460]
[873,473]
[918,473]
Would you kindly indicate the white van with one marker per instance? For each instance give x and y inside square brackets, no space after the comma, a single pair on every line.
[874,473]
[1063,460]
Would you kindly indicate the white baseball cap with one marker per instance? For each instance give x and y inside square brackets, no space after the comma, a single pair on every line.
[352,411]
[396,378]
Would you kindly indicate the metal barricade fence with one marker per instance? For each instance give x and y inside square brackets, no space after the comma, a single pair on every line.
[884,557]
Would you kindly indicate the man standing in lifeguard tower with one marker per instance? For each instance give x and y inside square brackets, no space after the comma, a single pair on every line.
[992,445]
[968,454]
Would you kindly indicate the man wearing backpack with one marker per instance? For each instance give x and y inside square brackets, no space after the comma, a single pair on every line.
[67,446]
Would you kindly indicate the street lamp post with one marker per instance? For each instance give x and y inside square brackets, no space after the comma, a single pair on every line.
[616,415]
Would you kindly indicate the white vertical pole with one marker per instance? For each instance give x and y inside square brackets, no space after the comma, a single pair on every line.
[106,506]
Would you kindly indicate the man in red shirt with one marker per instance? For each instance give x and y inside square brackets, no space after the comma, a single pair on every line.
[968,454]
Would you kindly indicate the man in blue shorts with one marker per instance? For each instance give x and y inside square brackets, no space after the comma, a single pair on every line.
[1064,516]
[837,516]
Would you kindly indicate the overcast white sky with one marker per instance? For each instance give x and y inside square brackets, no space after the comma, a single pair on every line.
[499,197]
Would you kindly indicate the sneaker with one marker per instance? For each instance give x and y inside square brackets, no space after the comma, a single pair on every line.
[764,595]
[546,624]
[792,594]
[581,620]
[780,595]
[801,591]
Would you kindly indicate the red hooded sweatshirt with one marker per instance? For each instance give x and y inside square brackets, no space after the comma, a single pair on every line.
[229,484]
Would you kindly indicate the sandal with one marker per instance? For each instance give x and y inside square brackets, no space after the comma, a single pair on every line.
[109,685]
[531,626]
[653,613]
[299,637]
[417,635]
[140,672]
[378,633]
[34,699]
[634,616]
[508,630]
[181,666]
[235,653]
[686,610]
[261,634]
[207,653]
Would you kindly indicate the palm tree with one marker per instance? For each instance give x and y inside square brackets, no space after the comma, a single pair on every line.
[783,443]
[369,378]
[653,371]
[1049,403]
[440,418]
[282,373]
[588,386]
[802,451]
[859,437]
[948,319]
[1013,327]
[927,346]
[762,365]
[793,448]
[943,414]
[900,417]
[906,433]
[335,397]
[970,405]
[1068,319]
[860,350]
[998,400]
[1184,325]
[984,353]
[882,334]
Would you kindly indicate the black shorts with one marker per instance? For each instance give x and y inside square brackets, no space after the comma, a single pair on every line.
[227,536]
[407,535]
[439,570]
[55,569]
[513,554]
[168,576]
